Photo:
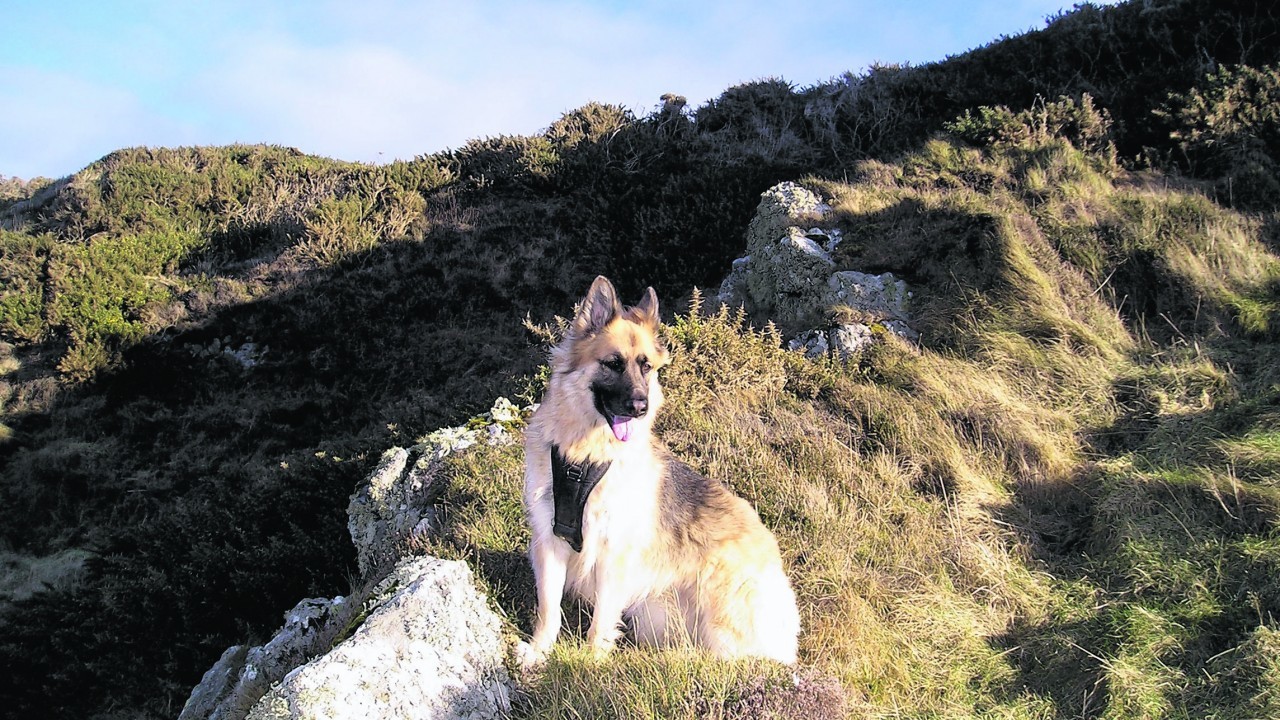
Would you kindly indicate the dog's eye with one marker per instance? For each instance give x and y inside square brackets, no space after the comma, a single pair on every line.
[645,365]
[614,363]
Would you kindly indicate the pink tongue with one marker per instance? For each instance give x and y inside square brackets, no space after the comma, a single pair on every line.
[621,427]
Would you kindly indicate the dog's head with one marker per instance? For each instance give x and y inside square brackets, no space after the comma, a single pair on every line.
[616,353]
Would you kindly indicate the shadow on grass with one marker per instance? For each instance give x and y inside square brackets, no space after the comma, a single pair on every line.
[1167,550]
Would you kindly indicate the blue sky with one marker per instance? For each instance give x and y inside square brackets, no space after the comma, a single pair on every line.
[375,81]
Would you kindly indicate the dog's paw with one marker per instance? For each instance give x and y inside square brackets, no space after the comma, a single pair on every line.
[600,651]
[528,657]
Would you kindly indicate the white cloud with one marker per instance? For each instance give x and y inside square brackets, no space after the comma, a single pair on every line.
[473,72]
[54,124]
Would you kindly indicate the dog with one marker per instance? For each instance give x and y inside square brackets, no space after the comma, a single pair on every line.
[627,527]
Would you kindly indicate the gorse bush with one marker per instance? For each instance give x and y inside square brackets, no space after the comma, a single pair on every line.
[1081,123]
[1227,128]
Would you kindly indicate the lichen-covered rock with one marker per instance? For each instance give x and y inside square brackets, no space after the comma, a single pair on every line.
[882,296]
[241,675]
[216,685]
[733,290]
[782,206]
[814,343]
[851,339]
[386,509]
[786,266]
[790,278]
[848,340]
[447,634]
[429,648]
[902,330]
[397,499]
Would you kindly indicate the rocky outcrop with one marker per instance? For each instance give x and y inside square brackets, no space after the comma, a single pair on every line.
[430,648]
[398,499]
[243,674]
[789,276]
[416,640]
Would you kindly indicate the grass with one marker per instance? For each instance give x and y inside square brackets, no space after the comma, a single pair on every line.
[1045,512]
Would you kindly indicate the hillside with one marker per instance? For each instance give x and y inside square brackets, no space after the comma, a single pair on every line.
[1062,504]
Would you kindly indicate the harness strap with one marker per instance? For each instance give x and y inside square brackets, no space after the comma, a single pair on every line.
[571,484]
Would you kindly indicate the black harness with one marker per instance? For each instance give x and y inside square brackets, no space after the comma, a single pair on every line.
[571,484]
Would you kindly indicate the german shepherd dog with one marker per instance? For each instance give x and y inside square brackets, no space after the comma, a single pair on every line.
[627,527]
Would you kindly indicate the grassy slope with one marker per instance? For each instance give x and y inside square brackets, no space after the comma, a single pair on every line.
[1046,512]
[387,301]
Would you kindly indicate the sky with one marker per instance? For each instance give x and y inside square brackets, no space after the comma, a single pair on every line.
[392,79]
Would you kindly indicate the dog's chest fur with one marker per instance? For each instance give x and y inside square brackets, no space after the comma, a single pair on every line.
[619,524]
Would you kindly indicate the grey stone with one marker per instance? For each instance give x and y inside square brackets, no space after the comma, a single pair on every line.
[241,676]
[399,493]
[442,606]
[216,685]
[881,296]
[733,290]
[430,648]
[385,510]
[902,330]
[850,339]
[814,343]
[790,278]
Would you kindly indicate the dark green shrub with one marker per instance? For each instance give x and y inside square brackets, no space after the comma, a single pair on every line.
[1228,129]
[763,118]
[22,263]
[507,161]
[1081,123]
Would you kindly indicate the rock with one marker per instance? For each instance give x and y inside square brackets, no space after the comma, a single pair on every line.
[733,290]
[815,343]
[902,330]
[790,278]
[241,676]
[390,505]
[785,266]
[504,412]
[829,238]
[400,492]
[782,206]
[430,648]
[880,296]
[216,685]
[851,339]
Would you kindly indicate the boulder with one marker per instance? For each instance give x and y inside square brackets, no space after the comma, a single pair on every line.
[398,499]
[848,340]
[789,277]
[242,674]
[882,296]
[429,648]
[851,339]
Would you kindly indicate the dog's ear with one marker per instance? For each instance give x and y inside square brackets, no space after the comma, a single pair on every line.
[598,307]
[647,308]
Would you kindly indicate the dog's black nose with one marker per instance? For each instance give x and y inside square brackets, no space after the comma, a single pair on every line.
[638,406]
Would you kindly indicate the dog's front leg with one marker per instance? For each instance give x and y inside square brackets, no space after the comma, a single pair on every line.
[606,618]
[549,569]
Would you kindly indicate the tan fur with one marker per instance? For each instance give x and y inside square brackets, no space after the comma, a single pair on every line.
[716,580]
